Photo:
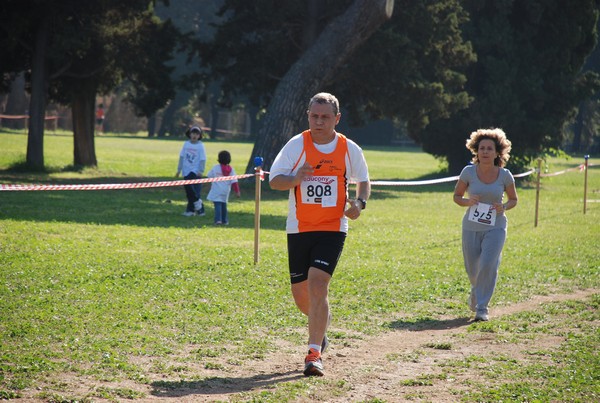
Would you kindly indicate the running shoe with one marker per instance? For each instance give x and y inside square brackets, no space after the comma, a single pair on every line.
[481,317]
[199,207]
[313,366]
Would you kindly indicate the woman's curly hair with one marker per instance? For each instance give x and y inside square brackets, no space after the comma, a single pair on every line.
[503,145]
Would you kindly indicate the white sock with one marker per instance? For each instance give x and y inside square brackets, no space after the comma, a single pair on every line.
[315,347]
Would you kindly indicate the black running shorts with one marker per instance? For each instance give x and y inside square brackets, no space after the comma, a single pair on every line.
[320,249]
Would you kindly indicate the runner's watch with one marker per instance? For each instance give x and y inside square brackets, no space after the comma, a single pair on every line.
[363,203]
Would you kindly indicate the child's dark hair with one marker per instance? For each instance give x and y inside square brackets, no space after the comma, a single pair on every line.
[224,157]
[194,129]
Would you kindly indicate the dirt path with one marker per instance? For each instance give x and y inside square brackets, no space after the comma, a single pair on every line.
[386,368]
[376,367]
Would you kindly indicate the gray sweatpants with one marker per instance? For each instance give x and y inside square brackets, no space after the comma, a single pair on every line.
[482,251]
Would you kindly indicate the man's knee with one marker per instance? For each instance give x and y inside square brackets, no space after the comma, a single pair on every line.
[318,283]
[301,298]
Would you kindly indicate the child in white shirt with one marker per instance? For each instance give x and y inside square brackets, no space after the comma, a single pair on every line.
[219,191]
[192,161]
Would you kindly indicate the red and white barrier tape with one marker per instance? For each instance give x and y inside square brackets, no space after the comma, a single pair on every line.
[434,181]
[577,168]
[26,117]
[113,186]
[261,173]
[521,175]
[414,183]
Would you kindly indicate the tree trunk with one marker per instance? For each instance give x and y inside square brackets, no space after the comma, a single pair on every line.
[167,124]
[578,128]
[152,125]
[214,90]
[84,151]
[17,103]
[311,24]
[37,102]
[456,163]
[255,122]
[312,72]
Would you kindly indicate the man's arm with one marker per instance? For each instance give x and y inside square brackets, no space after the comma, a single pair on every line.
[287,182]
[363,190]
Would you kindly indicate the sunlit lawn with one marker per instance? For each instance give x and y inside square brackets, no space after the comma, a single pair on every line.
[92,279]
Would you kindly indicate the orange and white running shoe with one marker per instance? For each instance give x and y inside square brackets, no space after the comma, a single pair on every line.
[313,366]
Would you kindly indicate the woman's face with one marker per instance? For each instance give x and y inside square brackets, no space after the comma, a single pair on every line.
[486,152]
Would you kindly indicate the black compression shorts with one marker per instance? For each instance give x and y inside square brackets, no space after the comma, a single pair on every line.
[320,249]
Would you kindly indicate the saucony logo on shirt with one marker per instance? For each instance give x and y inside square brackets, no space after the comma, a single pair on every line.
[321,179]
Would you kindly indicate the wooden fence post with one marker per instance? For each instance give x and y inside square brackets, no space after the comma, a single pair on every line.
[537,192]
[258,161]
[587,157]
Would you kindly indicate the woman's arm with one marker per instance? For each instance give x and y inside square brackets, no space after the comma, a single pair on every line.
[513,199]
[459,192]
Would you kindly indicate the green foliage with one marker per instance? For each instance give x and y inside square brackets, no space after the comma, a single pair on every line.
[410,68]
[73,50]
[93,45]
[445,68]
[122,44]
[256,43]
[527,79]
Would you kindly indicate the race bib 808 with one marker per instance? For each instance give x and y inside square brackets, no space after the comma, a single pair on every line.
[483,214]
[320,190]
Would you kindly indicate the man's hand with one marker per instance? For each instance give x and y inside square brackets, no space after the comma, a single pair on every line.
[353,212]
[305,171]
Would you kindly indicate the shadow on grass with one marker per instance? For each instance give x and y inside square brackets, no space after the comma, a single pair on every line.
[148,207]
[221,385]
[144,208]
[429,324]
[160,207]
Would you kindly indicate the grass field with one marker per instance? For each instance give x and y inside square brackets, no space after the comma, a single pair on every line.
[95,283]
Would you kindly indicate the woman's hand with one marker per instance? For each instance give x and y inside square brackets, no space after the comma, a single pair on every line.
[499,207]
[472,200]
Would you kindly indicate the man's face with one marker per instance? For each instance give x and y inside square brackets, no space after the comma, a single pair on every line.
[322,120]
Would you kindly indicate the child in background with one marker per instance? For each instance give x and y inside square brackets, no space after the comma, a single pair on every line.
[100,119]
[219,191]
[192,161]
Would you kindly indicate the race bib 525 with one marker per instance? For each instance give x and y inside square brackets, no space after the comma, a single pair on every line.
[483,214]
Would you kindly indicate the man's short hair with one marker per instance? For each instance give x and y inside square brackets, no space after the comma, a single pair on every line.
[325,98]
